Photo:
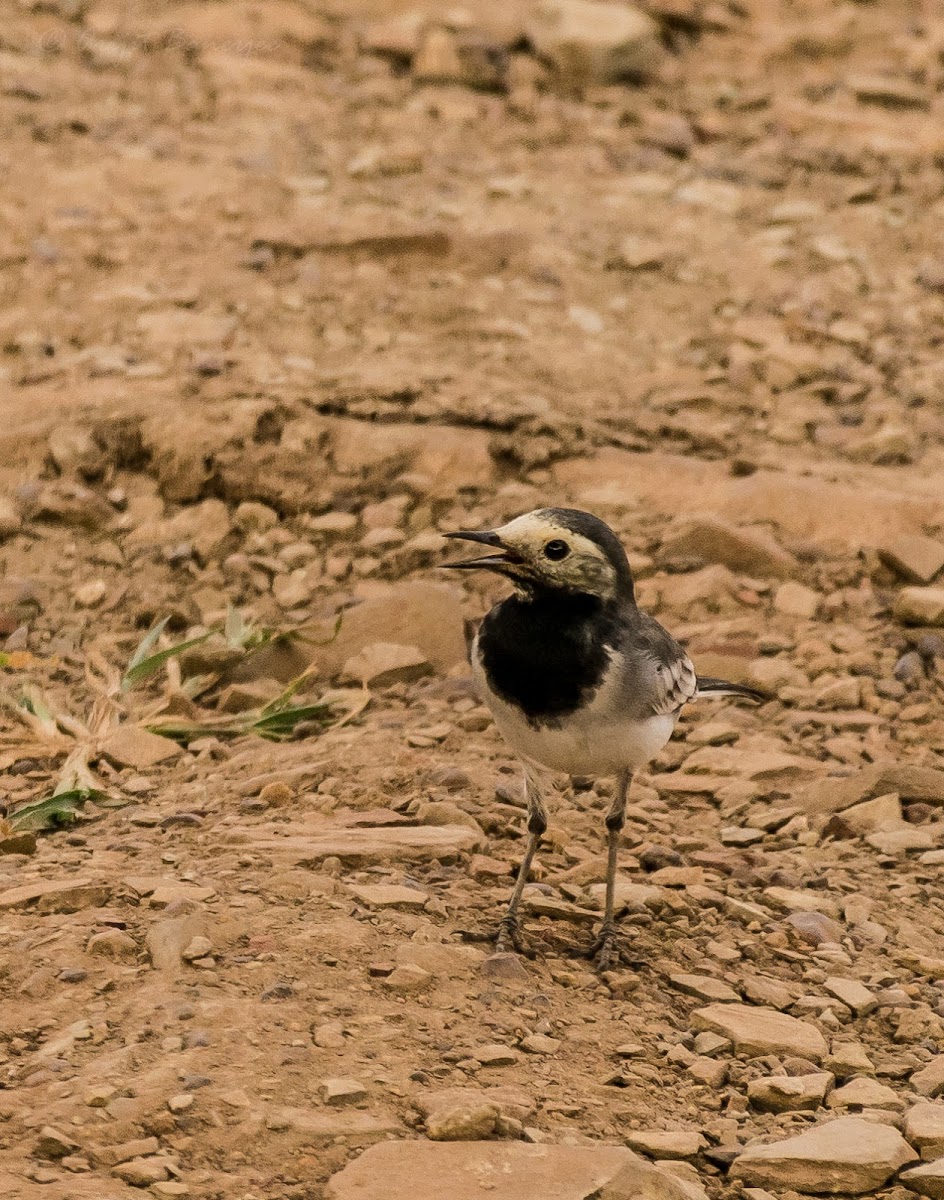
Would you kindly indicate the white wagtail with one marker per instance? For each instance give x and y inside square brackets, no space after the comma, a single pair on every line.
[577,678]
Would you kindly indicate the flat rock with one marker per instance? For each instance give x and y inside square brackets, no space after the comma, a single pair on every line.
[677,877]
[505,968]
[757,1031]
[627,894]
[929,1081]
[419,1170]
[338,1092]
[710,586]
[661,1143]
[467,1122]
[427,616]
[406,980]
[911,783]
[766,765]
[852,993]
[887,91]
[146,885]
[814,927]
[789,1093]
[842,694]
[169,893]
[740,835]
[639,254]
[205,525]
[704,987]
[741,910]
[166,940]
[920,605]
[141,1172]
[507,1100]
[801,505]
[769,993]
[595,41]
[52,1144]
[923,964]
[773,674]
[875,816]
[689,783]
[132,746]
[198,947]
[540,1043]
[388,895]
[801,900]
[556,909]
[111,1156]
[356,847]
[865,1093]
[849,1155]
[846,1059]
[916,558]
[112,943]
[240,24]
[56,896]
[901,841]
[714,540]
[320,1127]
[19,843]
[796,600]
[495,1054]
[924,1129]
[383,663]
[441,959]
[926,1180]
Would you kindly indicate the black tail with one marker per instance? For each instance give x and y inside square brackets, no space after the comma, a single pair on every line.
[715,688]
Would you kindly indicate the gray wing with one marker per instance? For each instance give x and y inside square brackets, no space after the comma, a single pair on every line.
[663,676]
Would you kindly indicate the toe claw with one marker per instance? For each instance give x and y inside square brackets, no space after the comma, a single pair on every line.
[509,935]
[606,950]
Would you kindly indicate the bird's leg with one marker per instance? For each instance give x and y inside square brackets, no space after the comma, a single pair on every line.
[509,931]
[605,950]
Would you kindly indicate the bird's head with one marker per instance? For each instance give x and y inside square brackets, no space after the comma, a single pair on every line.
[555,549]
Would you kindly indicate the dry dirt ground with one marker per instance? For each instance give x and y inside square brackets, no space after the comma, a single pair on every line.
[282,298]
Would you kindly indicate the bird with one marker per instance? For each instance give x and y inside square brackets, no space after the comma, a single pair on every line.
[579,680]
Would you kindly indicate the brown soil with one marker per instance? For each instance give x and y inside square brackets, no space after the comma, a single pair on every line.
[247,261]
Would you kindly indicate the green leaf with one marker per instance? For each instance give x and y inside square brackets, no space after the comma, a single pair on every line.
[143,666]
[144,648]
[184,730]
[76,776]
[281,700]
[278,725]
[52,811]
[281,723]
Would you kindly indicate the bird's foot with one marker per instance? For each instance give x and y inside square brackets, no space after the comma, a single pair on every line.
[607,950]
[509,938]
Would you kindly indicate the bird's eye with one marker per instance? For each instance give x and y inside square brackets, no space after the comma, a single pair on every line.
[556,550]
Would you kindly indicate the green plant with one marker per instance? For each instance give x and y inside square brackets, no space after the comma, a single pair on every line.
[56,731]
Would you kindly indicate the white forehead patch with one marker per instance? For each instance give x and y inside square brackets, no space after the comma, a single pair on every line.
[586,566]
[530,527]
[533,529]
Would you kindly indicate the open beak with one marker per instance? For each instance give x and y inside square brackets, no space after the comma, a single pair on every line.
[488,562]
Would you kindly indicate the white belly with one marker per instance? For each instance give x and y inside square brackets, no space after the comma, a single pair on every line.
[596,742]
